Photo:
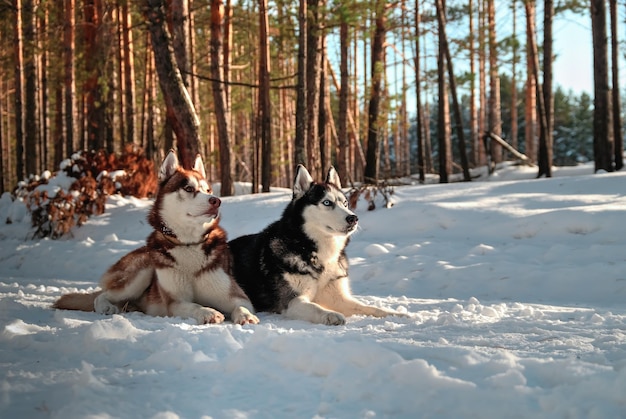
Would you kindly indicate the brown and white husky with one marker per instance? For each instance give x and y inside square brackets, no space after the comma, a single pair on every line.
[185,268]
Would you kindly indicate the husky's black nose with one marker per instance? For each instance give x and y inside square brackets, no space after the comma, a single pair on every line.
[215,201]
[352,219]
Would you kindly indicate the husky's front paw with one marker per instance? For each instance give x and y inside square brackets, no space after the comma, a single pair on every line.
[102,305]
[242,315]
[206,315]
[333,319]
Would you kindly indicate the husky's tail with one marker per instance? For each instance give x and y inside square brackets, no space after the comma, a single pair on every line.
[77,301]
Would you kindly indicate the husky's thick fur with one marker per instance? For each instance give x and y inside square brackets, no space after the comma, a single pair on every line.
[184,269]
[297,266]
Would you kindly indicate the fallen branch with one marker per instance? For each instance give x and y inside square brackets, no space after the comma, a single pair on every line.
[521,156]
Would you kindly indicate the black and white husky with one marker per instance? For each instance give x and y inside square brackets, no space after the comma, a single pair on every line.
[297,266]
[184,269]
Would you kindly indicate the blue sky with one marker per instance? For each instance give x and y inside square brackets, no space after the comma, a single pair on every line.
[573,66]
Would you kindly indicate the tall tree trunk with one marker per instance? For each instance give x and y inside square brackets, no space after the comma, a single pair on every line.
[406,143]
[265,115]
[514,80]
[443,117]
[43,110]
[301,155]
[119,70]
[194,89]
[530,130]
[2,148]
[129,73]
[602,141]
[30,88]
[180,34]
[57,123]
[474,132]
[19,122]
[323,117]
[185,121]
[616,99]
[495,117]
[544,159]
[219,97]
[5,132]
[353,89]
[418,97]
[482,76]
[227,46]
[342,121]
[373,123]
[314,33]
[150,94]
[95,59]
[455,101]
[69,73]
[534,60]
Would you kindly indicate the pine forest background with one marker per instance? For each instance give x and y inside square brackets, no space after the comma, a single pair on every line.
[380,89]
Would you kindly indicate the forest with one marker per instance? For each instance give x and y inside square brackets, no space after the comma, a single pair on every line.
[380,89]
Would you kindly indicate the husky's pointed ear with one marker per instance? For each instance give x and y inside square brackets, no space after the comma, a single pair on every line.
[169,166]
[198,166]
[302,183]
[333,177]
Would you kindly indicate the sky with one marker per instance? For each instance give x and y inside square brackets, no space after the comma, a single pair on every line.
[513,290]
[573,66]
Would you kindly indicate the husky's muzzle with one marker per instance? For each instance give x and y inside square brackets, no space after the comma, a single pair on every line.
[352,221]
[214,206]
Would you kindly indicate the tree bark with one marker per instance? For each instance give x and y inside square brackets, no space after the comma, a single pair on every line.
[313,66]
[94,96]
[57,130]
[180,35]
[300,151]
[42,97]
[443,114]
[530,129]
[544,159]
[30,87]
[602,142]
[514,80]
[455,101]
[129,73]
[219,97]
[342,121]
[323,116]
[616,99]
[265,116]
[184,120]
[418,97]
[494,113]
[19,121]
[534,59]
[378,52]
[69,74]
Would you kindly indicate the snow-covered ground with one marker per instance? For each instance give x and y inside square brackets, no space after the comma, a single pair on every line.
[515,289]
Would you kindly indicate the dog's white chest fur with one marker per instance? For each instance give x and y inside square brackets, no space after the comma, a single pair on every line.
[189,259]
[328,257]
[190,277]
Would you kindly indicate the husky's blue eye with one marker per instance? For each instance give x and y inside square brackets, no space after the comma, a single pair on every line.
[189,188]
[326,203]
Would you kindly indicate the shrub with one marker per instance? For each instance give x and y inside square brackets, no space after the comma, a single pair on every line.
[81,186]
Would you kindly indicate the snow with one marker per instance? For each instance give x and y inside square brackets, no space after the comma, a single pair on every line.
[514,290]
